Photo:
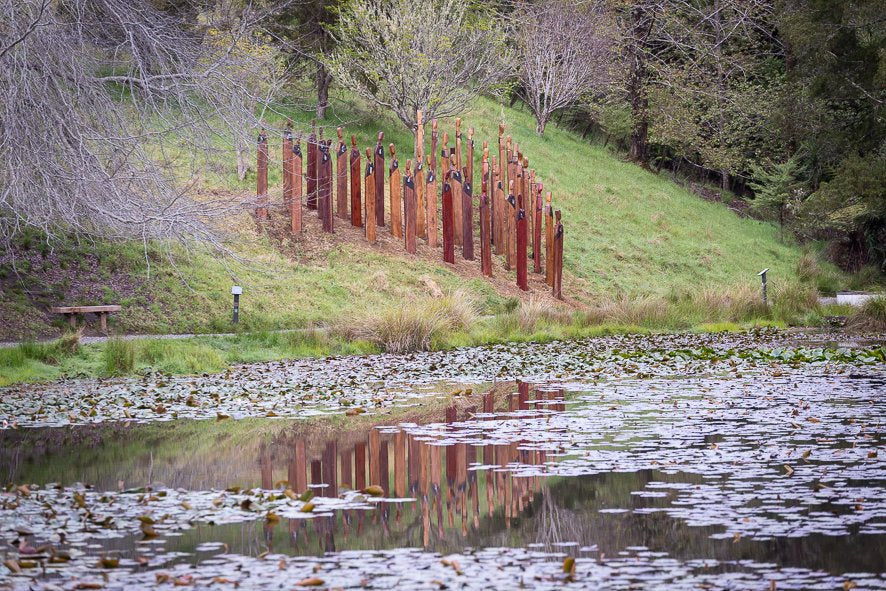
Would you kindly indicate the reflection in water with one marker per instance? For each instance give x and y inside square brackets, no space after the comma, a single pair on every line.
[456,487]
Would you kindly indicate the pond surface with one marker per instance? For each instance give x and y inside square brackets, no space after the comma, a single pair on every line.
[714,462]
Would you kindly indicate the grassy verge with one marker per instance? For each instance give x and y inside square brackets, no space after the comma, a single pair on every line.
[429,324]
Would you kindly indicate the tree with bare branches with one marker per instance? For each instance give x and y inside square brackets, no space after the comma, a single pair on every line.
[433,56]
[563,51]
[109,107]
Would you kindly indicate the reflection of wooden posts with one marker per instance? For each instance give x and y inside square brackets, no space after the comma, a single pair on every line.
[261,166]
[419,177]
[396,198]
[485,219]
[265,468]
[383,471]
[312,167]
[324,185]
[374,457]
[521,244]
[341,176]
[360,466]
[448,237]
[370,197]
[316,472]
[431,189]
[298,468]
[295,204]
[409,206]
[414,462]
[347,475]
[380,181]
[536,228]
[558,262]
[467,207]
[287,164]
[330,469]
[549,241]
[457,199]
[400,464]
[356,172]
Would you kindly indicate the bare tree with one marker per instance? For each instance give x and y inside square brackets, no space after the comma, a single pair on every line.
[563,51]
[402,55]
[106,106]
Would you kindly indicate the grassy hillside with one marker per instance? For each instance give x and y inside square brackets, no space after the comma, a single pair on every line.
[629,234]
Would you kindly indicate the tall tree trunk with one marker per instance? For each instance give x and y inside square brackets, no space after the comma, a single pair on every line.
[324,80]
[639,151]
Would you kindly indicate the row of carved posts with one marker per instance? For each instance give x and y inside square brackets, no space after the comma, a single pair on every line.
[516,219]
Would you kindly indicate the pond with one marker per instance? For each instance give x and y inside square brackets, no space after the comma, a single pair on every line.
[686,461]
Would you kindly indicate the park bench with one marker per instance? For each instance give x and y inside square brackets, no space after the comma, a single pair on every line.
[72,312]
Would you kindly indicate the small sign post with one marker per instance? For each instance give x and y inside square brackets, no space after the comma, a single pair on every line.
[236,291]
[762,275]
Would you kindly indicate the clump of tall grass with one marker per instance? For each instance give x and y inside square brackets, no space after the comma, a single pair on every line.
[51,353]
[870,316]
[118,357]
[413,325]
[182,357]
[791,301]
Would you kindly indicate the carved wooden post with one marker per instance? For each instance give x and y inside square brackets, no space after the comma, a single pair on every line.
[448,234]
[324,189]
[380,181]
[457,198]
[522,235]
[356,171]
[431,189]
[262,176]
[396,197]
[410,205]
[370,196]
[320,142]
[467,208]
[287,164]
[312,167]
[498,202]
[529,200]
[341,176]
[419,177]
[511,237]
[295,203]
[536,228]
[549,242]
[558,259]
[485,218]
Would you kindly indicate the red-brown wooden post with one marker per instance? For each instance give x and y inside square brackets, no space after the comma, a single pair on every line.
[419,177]
[485,218]
[511,237]
[522,235]
[536,228]
[558,259]
[370,196]
[448,234]
[529,199]
[409,205]
[287,164]
[380,181]
[467,208]
[457,198]
[312,167]
[262,176]
[341,176]
[324,188]
[320,142]
[394,177]
[295,203]
[498,202]
[431,189]
[356,182]
[549,241]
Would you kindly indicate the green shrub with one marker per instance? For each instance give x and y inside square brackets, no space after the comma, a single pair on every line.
[791,301]
[870,316]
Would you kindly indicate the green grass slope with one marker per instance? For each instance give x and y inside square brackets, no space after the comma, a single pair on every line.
[629,233]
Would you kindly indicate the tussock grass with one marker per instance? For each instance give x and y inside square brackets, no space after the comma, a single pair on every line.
[413,325]
[118,357]
[870,316]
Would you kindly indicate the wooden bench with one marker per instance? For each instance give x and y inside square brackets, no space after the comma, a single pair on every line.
[72,312]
